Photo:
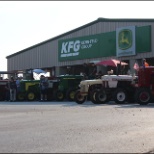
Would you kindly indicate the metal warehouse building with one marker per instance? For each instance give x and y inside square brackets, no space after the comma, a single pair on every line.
[125,39]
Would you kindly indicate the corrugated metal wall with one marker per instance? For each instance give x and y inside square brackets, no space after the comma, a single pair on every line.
[46,55]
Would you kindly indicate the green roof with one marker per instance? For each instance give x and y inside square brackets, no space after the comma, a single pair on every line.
[79,28]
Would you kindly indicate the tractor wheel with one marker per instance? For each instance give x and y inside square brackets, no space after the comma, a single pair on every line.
[59,95]
[93,95]
[120,96]
[143,96]
[20,96]
[79,98]
[31,96]
[101,96]
[70,94]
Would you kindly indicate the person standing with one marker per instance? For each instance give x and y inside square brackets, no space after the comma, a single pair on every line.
[18,84]
[145,64]
[12,86]
[43,87]
[86,69]
[94,71]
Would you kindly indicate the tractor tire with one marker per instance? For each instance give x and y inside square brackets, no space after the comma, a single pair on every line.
[79,98]
[143,96]
[70,94]
[93,96]
[101,97]
[31,96]
[20,96]
[59,95]
[120,96]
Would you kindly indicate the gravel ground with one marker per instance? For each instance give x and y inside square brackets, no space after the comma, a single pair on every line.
[67,127]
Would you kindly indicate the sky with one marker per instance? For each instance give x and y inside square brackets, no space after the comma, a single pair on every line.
[26,23]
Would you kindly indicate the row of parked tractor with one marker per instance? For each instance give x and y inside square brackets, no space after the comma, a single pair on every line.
[119,88]
[60,88]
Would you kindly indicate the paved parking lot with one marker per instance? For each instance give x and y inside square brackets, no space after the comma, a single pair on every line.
[66,127]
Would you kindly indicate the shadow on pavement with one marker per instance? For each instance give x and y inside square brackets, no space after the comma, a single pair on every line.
[135,105]
[85,104]
[63,103]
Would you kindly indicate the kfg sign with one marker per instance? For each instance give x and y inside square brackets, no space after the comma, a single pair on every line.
[72,48]
[67,46]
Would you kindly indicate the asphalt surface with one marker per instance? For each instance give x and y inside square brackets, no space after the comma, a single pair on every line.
[67,127]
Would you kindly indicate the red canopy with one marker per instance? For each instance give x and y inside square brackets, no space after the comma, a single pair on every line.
[111,62]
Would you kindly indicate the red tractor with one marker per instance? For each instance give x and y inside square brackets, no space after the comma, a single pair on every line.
[145,87]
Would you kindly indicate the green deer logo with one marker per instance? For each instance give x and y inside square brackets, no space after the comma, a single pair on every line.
[125,39]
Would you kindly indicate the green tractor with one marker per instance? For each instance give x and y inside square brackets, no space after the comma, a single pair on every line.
[29,90]
[68,84]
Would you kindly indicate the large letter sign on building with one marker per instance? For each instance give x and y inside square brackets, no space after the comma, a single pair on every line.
[125,41]
[67,46]
[93,46]
[79,48]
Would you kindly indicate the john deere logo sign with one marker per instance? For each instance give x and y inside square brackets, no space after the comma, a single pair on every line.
[125,41]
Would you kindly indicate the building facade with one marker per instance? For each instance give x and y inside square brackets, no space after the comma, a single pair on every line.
[129,40]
